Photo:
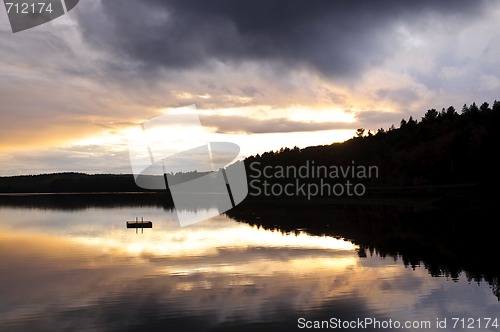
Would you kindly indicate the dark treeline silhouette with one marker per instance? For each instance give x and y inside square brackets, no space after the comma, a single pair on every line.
[442,148]
[68,182]
[447,242]
[83,183]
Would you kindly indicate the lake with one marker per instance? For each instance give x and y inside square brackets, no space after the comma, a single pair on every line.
[76,267]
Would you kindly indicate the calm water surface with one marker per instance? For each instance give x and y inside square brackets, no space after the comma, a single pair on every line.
[82,270]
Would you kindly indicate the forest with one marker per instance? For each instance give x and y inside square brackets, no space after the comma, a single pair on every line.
[443,149]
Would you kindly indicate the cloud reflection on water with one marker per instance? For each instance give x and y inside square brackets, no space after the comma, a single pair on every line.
[90,273]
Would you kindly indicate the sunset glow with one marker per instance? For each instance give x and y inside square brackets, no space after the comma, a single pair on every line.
[69,88]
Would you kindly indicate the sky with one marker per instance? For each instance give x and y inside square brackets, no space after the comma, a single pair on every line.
[261,74]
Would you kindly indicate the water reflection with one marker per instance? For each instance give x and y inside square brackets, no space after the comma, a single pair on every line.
[448,242]
[85,271]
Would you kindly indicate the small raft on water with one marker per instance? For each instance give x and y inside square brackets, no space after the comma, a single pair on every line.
[140,223]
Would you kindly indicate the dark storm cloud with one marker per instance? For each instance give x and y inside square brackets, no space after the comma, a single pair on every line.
[336,38]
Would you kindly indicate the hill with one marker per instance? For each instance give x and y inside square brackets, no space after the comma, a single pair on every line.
[68,183]
[444,149]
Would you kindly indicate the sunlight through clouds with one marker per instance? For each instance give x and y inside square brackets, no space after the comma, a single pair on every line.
[86,79]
